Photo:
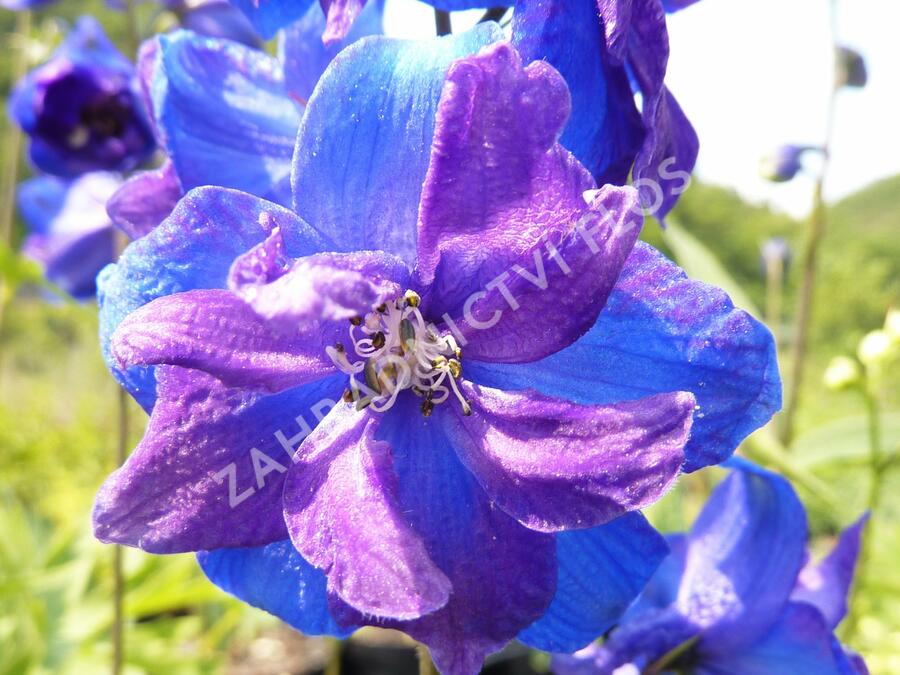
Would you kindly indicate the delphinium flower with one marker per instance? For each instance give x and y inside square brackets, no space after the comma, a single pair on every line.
[737,594]
[69,232]
[19,5]
[785,162]
[82,110]
[477,470]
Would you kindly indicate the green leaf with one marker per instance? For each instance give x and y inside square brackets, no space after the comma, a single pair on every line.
[845,440]
[701,264]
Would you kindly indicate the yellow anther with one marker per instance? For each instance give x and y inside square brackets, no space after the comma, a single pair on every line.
[412,299]
[455,368]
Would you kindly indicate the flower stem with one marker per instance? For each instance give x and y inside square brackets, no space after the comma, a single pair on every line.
[12,144]
[134,30]
[877,470]
[442,22]
[494,14]
[426,666]
[815,234]
[335,652]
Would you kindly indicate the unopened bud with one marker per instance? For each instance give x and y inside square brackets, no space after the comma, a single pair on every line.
[842,373]
[875,348]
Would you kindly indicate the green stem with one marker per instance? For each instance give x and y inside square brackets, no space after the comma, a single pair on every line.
[133,27]
[335,652]
[877,471]
[12,144]
[426,665]
[815,234]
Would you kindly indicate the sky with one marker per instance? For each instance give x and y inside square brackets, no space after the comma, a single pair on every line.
[753,76]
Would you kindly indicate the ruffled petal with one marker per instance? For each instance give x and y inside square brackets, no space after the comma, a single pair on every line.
[305,57]
[318,290]
[145,200]
[555,465]
[503,575]
[605,131]
[799,642]
[601,571]
[503,219]
[343,515]
[742,559]
[193,248]
[662,332]
[210,469]
[224,114]
[217,332]
[277,579]
[826,585]
[363,145]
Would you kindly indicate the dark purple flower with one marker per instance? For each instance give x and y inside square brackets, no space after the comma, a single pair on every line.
[851,68]
[69,233]
[81,109]
[737,594]
[467,498]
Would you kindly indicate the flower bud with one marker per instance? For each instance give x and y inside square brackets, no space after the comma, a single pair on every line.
[842,373]
[850,68]
[892,324]
[784,163]
[82,110]
[875,348]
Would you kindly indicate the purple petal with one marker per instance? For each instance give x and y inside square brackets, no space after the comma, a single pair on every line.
[799,642]
[320,288]
[660,332]
[826,585]
[193,248]
[340,17]
[742,558]
[503,574]
[362,149]
[210,469]
[145,200]
[606,131]
[536,304]
[555,465]
[503,215]
[217,332]
[341,509]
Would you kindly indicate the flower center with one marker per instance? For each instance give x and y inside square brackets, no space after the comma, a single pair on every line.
[394,349]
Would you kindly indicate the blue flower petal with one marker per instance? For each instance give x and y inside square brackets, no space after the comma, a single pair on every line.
[742,558]
[270,16]
[601,571]
[277,579]
[800,642]
[662,332]
[224,114]
[365,141]
[605,130]
[305,57]
[193,248]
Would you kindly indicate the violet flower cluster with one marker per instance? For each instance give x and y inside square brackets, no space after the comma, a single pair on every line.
[737,594]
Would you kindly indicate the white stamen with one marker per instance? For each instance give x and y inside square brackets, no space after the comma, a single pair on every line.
[410,356]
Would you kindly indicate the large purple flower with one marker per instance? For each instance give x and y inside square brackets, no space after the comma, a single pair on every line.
[69,233]
[466,497]
[81,109]
[738,594]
